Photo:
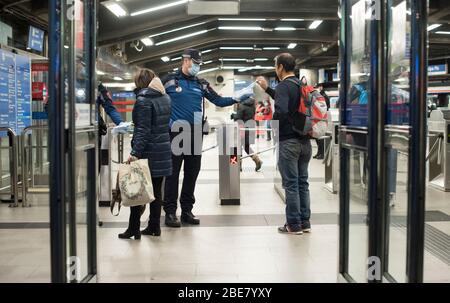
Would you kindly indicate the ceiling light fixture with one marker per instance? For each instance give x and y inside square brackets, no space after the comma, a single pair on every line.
[206,51]
[147,41]
[182,37]
[241,28]
[315,24]
[165,59]
[177,29]
[443,33]
[433,26]
[271,48]
[116,8]
[117,78]
[157,8]
[175,59]
[261,59]
[284,20]
[292,45]
[207,62]
[207,70]
[242,19]
[236,48]
[99,72]
[285,28]
[233,59]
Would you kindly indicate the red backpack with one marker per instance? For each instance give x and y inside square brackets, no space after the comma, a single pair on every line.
[311,117]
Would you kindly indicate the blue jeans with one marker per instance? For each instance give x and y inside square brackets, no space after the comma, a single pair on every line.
[293,161]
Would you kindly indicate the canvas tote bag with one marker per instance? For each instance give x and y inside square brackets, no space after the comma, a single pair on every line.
[135,183]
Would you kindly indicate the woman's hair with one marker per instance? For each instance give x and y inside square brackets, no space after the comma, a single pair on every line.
[143,78]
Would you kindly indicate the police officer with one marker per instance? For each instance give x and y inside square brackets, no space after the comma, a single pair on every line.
[187,91]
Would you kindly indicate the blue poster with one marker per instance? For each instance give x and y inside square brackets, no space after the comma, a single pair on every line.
[23,91]
[15,92]
[36,39]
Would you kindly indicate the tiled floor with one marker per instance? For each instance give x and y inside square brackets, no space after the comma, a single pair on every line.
[233,244]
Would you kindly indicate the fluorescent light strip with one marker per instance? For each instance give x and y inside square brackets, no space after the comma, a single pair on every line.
[233,67]
[100,73]
[118,78]
[293,20]
[285,28]
[165,59]
[241,28]
[207,62]
[206,51]
[271,48]
[177,29]
[157,8]
[233,59]
[208,70]
[292,45]
[182,37]
[120,85]
[433,26]
[443,33]
[261,59]
[242,19]
[116,8]
[147,41]
[176,59]
[315,24]
[236,48]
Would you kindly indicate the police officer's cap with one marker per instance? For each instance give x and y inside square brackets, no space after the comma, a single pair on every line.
[193,54]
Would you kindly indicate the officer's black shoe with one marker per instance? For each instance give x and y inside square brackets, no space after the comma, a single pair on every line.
[189,218]
[172,220]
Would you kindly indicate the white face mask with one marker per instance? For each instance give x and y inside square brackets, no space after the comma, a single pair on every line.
[194,69]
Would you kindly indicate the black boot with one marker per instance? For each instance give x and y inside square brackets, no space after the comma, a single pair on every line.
[134,224]
[172,220]
[189,218]
[152,230]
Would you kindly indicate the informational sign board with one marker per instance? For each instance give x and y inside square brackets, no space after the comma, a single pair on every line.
[15,91]
[36,39]
[437,69]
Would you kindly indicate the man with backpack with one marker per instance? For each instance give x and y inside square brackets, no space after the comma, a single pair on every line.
[294,148]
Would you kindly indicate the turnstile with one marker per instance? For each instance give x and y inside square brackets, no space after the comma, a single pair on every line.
[331,159]
[105,180]
[228,140]
[439,149]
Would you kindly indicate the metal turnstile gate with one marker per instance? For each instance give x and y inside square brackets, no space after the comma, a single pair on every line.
[228,140]
[331,160]
[439,149]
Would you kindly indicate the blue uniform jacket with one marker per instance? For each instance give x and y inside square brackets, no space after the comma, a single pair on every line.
[104,100]
[187,93]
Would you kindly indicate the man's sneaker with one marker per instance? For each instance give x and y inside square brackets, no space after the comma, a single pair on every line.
[306,226]
[286,229]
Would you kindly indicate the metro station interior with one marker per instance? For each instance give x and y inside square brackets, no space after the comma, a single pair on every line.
[379,184]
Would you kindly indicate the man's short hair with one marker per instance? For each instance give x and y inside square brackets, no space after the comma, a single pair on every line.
[287,60]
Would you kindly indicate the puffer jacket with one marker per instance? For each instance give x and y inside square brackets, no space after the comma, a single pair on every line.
[151,139]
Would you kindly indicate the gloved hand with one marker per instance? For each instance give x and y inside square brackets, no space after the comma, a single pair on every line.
[122,128]
[101,87]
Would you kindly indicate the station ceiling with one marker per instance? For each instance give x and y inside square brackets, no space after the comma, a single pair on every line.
[272,25]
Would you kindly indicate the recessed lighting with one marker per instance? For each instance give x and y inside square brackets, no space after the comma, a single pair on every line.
[443,33]
[157,8]
[182,37]
[271,48]
[242,19]
[285,28]
[236,48]
[292,45]
[117,78]
[175,59]
[433,26]
[165,59]
[147,41]
[241,28]
[315,24]
[177,29]
[293,20]
[116,8]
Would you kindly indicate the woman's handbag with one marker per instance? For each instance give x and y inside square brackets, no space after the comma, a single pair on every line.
[135,183]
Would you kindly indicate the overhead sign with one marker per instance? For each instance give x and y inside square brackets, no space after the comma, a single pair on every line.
[36,39]
[15,91]
[437,69]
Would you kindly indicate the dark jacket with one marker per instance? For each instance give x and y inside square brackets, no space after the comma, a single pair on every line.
[151,139]
[245,110]
[287,98]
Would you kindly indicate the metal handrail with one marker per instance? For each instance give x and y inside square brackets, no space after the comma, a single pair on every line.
[14,167]
[25,162]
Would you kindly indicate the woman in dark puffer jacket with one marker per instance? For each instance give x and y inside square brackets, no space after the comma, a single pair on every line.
[151,140]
